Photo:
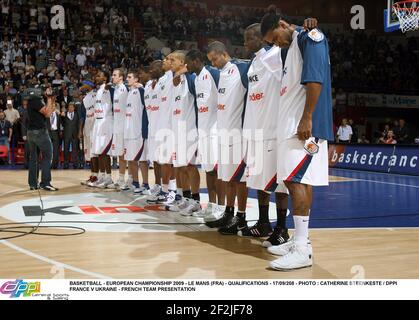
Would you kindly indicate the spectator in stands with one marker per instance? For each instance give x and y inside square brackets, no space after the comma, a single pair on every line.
[345,133]
[53,126]
[71,124]
[354,138]
[363,140]
[390,138]
[402,132]
[5,133]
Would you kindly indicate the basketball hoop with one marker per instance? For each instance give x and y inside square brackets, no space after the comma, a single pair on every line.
[408,14]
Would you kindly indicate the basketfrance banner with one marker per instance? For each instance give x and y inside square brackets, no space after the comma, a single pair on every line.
[378,158]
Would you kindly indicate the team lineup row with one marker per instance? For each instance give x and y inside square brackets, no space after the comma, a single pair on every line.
[261,124]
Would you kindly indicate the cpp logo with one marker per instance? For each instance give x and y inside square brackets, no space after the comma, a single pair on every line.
[20,287]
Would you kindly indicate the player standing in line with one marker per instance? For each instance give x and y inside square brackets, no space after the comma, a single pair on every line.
[206,86]
[119,106]
[103,129]
[134,141]
[260,125]
[152,108]
[306,125]
[89,104]
[184,126]
[232,90]
[164,135]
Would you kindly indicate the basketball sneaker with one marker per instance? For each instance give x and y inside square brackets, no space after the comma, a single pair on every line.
[95,182]
[166,198]
[117,185]
[216,213]
[86,182]
[298,257]
[222,220]
[105,183]
[235,225]
[193,208]
[259,230]
[283,249]
[127,185]
[180,204]
[155,190]
[278,237]
[142,191]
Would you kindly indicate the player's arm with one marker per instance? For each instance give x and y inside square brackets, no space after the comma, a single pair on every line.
[314,67]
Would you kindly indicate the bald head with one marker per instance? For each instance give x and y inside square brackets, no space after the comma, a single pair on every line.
[177,60]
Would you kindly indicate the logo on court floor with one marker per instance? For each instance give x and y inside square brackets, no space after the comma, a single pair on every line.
[20,288]
[111,212]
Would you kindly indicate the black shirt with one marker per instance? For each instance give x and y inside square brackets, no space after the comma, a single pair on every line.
[4,128]
[36,120]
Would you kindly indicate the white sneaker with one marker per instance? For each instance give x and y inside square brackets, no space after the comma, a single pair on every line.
[203,213]
[285,248]
[127,185]
[142,191]
[194,207]
[216,213]
[116,185]
[105,183]
[298,257]
[97,182]
[180,205]
[170,199]
[155,190]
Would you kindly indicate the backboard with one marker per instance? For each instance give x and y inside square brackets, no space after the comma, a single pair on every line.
[391,22]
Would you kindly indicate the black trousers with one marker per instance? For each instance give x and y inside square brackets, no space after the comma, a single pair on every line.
[74,142]
[55,138]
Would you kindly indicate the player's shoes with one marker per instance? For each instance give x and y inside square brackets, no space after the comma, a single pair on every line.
[166,198]
[216,213]
[259,230]
[193,209]
[49,188]
[127,185]
[297,257]
[155,190]
[285,248]
[142,191]
[116,185]
[86,182]
[105,183]
[95,182]
[278,237]
[233,226]
[180,204]
[223,220]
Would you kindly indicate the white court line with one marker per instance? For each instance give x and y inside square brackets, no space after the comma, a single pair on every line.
[8,192]
[53,262]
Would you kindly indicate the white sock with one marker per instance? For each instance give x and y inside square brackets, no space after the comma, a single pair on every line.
[172,185]
[94,174]
[180,191]
[301,230]
[121,177]
[165,188]
[103,174]
[106,175]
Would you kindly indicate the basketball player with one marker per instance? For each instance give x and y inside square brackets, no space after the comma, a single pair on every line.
[87,127]
[184,126]
[152,107]
[260,125]
[134,142]
[119,106]
[206,85]
[103,128]
[305,116]
[232,91]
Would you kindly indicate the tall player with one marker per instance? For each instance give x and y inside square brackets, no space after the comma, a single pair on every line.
[184,126]
[134,141]
[103,129]
[152,106]
[260,125]
[119,106]
[206,86]
[87,127]
[306,125]
[232,91]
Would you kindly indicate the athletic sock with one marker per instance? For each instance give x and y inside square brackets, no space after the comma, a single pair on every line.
[230,210]
[180,191]
[281,218]
[136,184]
[165,188]
[264,214]
[172,184]
[146,186]
[301,230]
[196,197]
[241,214]
[187,194]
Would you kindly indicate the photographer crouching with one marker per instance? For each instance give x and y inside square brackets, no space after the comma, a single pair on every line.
[38,138]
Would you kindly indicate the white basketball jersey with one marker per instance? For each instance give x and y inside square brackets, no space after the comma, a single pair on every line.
[89,104]
[183,113]
[207,101]
[119,106]
[133,115]
[261,118]
[103,105]
[152,107]
[293,93]
[164,89]
[231,98]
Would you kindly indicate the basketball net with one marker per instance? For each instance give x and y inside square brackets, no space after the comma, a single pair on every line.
[408,14]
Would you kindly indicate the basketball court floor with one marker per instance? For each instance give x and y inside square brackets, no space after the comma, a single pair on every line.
[365,225]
